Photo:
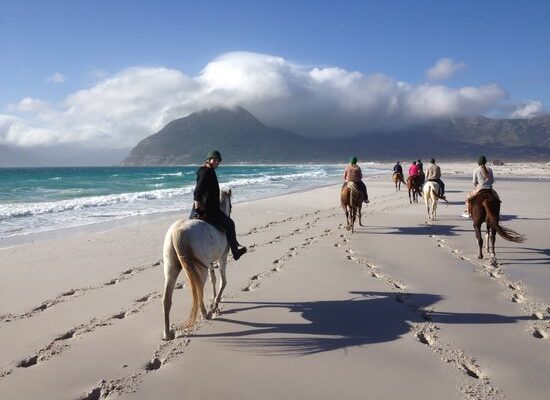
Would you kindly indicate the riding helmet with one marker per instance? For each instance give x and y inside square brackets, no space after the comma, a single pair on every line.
[214,154]
[481,160]
[353,160]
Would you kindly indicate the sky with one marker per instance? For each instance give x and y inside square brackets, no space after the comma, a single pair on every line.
[106,74]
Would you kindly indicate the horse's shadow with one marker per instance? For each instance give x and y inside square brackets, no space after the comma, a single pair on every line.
[368,318]
[539,256]
[436,229]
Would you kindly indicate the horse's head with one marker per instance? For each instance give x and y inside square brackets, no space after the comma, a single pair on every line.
[225,201]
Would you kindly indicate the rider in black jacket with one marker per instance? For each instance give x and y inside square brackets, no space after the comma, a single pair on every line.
[206,201]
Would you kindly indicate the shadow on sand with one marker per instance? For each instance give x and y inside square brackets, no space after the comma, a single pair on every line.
[366,318]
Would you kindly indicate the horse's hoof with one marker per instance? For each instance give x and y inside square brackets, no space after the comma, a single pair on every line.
[170,335]
[480,257]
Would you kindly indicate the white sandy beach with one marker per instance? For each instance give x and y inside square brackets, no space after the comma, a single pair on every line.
[400,309]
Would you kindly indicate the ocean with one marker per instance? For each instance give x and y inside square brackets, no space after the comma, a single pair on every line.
[36,200]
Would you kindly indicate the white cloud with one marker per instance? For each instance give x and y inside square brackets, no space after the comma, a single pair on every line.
[56,78]
[121,109]
[528,109]
[443,69]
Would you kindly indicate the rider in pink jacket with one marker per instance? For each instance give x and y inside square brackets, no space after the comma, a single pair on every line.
[413,169]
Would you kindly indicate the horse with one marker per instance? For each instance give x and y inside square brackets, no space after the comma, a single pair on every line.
[351,199]
[194,246]
[485,207]
[430,191]
[397,178]
[413,185]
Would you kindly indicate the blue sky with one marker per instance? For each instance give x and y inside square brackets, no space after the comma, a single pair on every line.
[368,61]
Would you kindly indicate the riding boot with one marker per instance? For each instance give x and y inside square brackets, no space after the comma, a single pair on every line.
[236,249]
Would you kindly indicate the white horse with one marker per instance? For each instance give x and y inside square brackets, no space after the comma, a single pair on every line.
[430,191]
[195,246]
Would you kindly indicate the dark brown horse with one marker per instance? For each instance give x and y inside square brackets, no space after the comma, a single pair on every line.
[351,199]
[414,187]
[397,178]
[485,207]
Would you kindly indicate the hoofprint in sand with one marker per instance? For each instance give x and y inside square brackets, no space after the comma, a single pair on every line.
[401,308]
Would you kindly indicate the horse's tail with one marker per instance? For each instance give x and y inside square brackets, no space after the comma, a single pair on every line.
[492,220]
[192,266]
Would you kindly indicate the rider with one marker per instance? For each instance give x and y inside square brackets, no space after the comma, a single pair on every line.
[413,169]
[397,168]
[482,179]
[421,171]
[206,201]
[433,173]
[353,173]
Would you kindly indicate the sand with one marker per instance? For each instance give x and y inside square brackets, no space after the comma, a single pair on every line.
[400,309]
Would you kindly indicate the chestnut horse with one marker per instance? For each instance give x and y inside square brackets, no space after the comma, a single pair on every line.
[397,178]
[351,199]
[413,185]
[485,207]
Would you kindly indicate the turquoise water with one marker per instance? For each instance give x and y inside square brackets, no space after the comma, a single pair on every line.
[43,199]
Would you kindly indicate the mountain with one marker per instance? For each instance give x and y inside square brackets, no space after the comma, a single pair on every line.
[241,137]
[236,133]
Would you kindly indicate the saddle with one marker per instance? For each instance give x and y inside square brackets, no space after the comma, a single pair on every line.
[490,192]
[439,189]
[202,217]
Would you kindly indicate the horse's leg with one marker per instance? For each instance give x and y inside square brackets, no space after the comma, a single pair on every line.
[172,269]
[204,277]
[353,213]
[477,229]
[212,276]
[493,238]
[410,202]
[426,201]
[359,211]
[434,209]
[223,282]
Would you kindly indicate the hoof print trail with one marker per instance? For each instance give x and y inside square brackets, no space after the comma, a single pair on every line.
[66,336]
[94,394]
[121,315]
[540,334]
[153,365]
[424,338]
[471,371]
[537,315]
[29,362]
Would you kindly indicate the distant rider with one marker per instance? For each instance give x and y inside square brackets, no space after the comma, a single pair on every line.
[421,171]
[433,174]
[397,168]
[353,173]
[413,169]
[482,179]
[206,201]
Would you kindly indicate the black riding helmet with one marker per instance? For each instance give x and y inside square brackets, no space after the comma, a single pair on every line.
[214,154]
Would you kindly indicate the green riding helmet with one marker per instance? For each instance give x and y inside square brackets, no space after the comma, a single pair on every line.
[214,154]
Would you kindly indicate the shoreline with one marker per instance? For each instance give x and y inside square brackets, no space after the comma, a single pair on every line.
[136,220]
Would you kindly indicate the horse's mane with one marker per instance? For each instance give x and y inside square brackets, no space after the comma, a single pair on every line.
[225,194]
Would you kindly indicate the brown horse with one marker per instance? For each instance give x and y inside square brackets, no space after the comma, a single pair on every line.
[485,207]
[397,178]
[414,187]
[351,199]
